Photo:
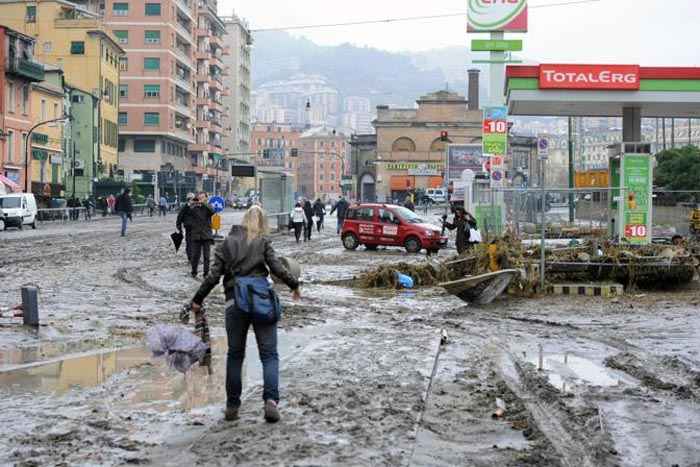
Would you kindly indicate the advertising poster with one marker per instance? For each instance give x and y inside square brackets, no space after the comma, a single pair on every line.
[461,157]
[636,199]
[495,131]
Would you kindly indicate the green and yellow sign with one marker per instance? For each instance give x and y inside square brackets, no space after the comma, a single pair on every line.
[636,202]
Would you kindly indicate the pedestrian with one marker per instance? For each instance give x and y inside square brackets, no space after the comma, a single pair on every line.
[163,205]
[298,220]
[111,203]
[102,205]
[151,205]
[124,207]
[182,216]
[309,222]
[88,205]
[463,223]
[320,213]
[247,253]
[342,207]
[408,204]
[198,217]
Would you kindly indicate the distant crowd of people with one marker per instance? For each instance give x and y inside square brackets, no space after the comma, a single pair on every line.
[306,216]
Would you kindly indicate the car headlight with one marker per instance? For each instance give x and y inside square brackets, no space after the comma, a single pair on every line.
[429,233]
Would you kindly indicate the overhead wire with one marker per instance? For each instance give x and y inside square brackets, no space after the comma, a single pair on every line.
[409,18]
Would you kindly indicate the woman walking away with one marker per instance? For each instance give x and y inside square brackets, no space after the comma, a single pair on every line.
[244,258]
[320,213]
[309,226]
[298,220]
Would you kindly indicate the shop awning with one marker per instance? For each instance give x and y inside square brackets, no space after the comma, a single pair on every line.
[12,186]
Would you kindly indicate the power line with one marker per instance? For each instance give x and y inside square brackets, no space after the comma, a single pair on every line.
[408,18]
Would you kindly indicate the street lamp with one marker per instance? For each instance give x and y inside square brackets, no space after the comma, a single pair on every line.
[28,146]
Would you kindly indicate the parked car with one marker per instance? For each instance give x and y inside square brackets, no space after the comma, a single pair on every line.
[373,225]
[436,195]
[19,209]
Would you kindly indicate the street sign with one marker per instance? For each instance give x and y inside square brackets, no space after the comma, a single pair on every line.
[542,148]
[217,203]
[495,131]
[485,45]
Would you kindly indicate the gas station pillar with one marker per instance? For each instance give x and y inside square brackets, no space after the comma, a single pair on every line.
[631,125]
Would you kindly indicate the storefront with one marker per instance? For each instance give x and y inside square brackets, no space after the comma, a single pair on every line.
[409,177]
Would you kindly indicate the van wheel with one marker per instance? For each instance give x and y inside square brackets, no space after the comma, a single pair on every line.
[21,226]
[412,245]
[350,242]
[371,247]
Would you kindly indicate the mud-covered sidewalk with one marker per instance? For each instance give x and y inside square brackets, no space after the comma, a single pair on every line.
[365,378]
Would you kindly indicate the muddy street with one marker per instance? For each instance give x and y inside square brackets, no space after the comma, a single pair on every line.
[368,377]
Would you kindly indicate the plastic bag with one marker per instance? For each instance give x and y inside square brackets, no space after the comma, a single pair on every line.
[404,281]
[178,345]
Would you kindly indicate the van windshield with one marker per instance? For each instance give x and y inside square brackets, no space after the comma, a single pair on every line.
[10,202]
[408,215]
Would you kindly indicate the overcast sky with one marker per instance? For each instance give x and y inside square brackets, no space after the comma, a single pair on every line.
[648,32]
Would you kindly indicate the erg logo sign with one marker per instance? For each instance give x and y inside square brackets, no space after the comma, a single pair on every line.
[497,15]
[610,77]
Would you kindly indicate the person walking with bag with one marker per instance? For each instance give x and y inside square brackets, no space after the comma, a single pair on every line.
[245,260]
[183,219]
[342,207]
[298,220]
[319,213]
[309,225]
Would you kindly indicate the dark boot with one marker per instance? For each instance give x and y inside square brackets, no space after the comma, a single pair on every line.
[272,413]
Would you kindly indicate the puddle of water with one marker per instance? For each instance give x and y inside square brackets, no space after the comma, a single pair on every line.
[565,370]
[155,387]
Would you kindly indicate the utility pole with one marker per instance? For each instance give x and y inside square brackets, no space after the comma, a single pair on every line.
[663,131]
[673,133]
[572,211]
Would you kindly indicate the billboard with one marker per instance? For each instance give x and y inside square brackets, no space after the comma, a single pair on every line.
[607,77]
[497,15]
[636,175]
[461,157]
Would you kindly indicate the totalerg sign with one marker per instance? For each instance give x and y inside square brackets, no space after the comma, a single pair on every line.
[620,77]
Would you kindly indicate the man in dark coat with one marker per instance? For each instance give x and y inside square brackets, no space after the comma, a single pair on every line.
[462,222]
[342,207]
[320,213]
[180,222]
[309,225]
[198,217]
[124,207]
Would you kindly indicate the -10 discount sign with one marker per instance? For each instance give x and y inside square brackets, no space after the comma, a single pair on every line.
[495,131]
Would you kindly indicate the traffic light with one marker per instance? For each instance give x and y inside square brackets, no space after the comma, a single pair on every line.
[444,136]
[294,152]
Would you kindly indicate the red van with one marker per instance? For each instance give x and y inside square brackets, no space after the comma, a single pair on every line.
[388,225]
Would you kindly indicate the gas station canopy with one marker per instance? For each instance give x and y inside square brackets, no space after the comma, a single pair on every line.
[603,91]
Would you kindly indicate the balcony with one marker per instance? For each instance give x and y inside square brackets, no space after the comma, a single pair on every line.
[217,41]
[202,101]
[216,61]
[199,55]
[185,8]
[183,109]
[226,51]
[202,78]
[184,134]
[184,32]
[184,55]
[198,147]
[200,32]
[183,83]
[203,124]
[217,125]
[27,69]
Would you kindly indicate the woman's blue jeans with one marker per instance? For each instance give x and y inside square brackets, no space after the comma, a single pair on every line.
[237,325]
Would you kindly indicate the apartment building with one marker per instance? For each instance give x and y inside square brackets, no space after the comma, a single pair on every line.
[323,159]
[73,38]
[18,70]
[47,141]
[171,122]
[238,101]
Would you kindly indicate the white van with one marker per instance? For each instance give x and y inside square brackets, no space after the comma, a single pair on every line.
[436,195]
[19,209]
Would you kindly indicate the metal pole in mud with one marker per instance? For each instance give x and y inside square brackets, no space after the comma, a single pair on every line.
[542,241]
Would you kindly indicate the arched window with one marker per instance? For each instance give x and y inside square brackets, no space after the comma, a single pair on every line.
[438,145]
[404,145]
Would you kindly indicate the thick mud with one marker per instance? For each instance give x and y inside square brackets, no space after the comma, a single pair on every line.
[368,377]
